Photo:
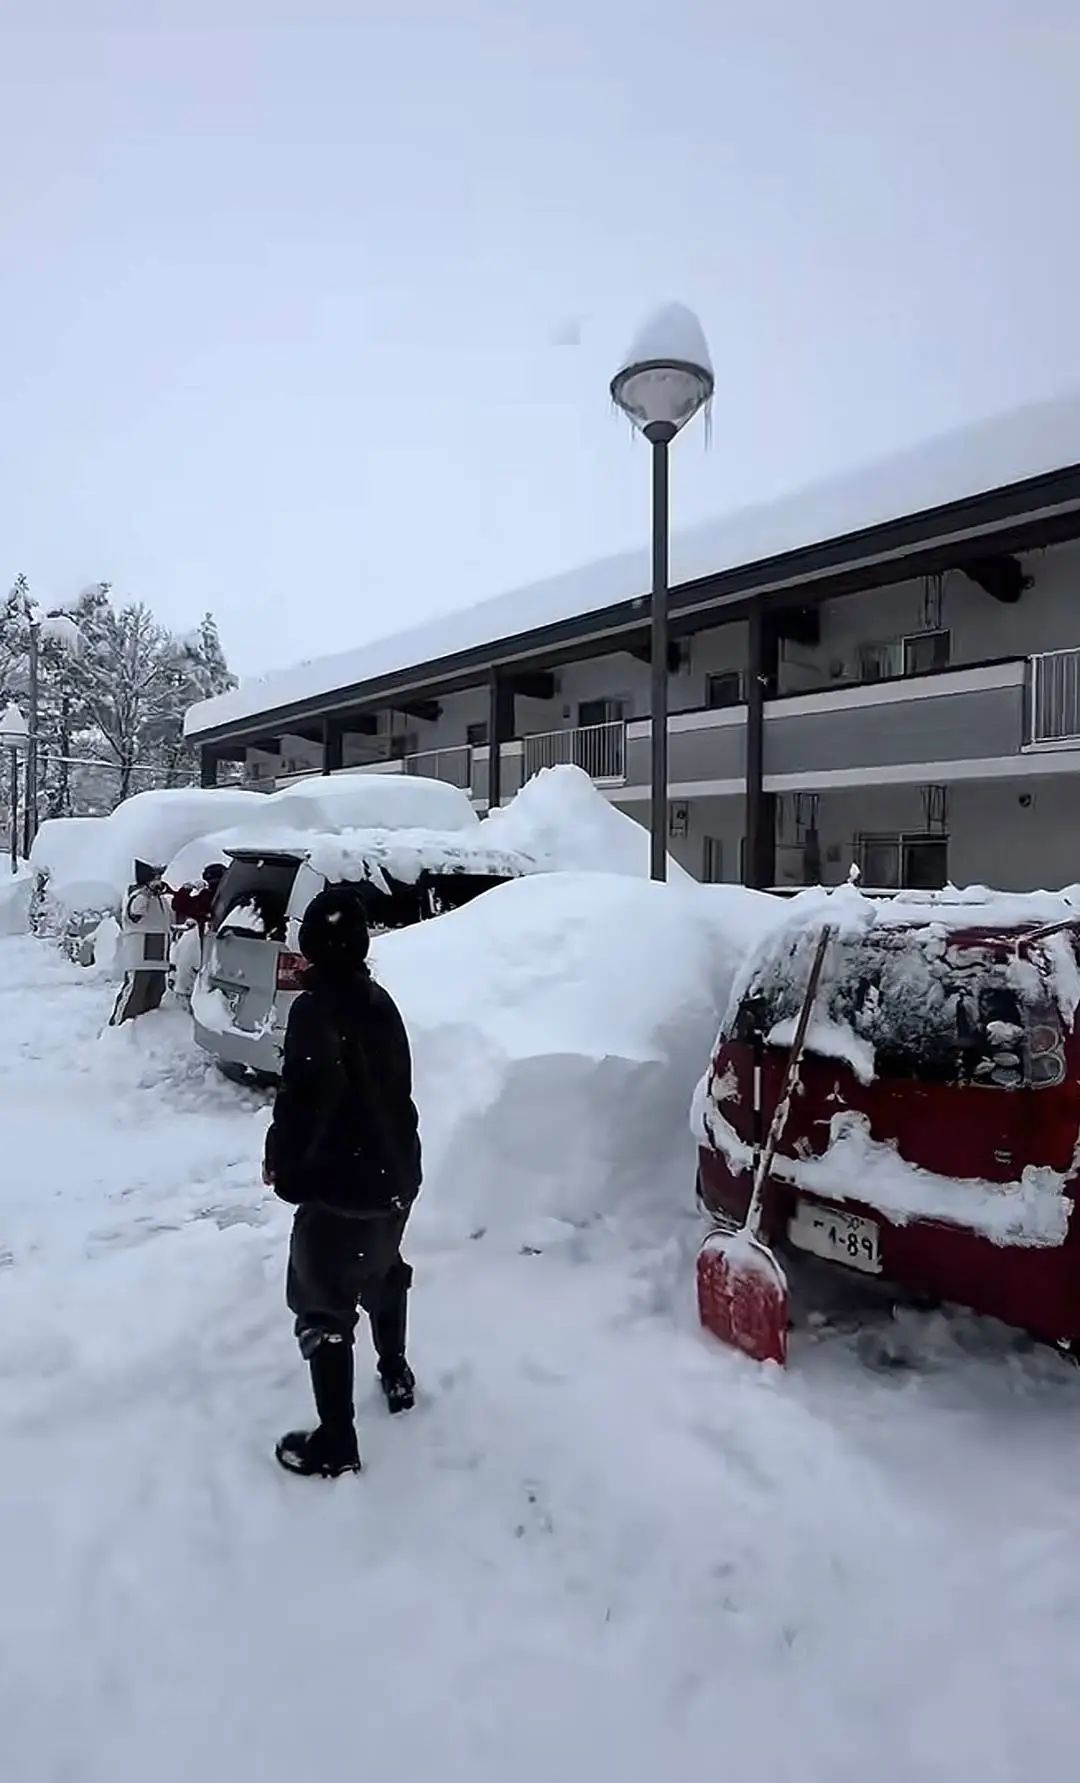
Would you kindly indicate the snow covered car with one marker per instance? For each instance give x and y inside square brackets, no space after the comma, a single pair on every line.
[934,1142]
[84,867]
[251,966]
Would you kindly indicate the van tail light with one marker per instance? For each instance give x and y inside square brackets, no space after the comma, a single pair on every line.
[290,969]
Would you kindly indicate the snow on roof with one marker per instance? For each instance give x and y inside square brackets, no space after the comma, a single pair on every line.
[989,454]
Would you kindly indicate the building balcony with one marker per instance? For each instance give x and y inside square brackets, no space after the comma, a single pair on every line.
[988,721]
[1055,700]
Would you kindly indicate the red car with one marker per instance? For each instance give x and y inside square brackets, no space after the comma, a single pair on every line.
[936,1135]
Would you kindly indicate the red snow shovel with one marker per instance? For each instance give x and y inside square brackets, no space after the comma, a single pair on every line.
[742,1290]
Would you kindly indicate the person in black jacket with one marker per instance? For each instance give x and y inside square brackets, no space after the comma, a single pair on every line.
[344,1148]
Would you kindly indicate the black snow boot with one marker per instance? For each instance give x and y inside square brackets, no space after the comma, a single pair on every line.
[331,1449]
[388,1331]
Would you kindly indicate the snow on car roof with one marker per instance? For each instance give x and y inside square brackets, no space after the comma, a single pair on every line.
[955,909]
[988,454]
[403,854]
[363,800]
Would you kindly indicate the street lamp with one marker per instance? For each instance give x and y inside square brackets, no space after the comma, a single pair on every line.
[14,735]
[58,628]
[665,379]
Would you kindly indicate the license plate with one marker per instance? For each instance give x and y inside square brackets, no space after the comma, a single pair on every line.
[838,1237]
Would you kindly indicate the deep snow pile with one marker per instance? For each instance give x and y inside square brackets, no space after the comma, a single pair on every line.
[559,1025]
[15,890]
[561,820]
[558,822]
[89,862]
[602,1544]
[301,817]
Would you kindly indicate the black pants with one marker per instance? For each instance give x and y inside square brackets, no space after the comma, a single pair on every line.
[337,1264]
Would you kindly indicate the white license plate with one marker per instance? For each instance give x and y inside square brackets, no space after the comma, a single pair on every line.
[839,1237]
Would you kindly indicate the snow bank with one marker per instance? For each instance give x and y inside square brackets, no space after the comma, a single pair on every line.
[559,1025]
[90,862]
[15,892]
[562,823]
[1033,1212]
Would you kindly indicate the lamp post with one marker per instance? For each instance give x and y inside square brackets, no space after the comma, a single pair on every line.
[665,379]
[33,679]
[14,735]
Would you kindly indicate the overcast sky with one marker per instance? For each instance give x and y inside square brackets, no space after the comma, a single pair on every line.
[308,310]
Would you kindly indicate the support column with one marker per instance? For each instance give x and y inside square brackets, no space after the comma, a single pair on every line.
[333,741]
[500,731]
[759,856]
[208,767]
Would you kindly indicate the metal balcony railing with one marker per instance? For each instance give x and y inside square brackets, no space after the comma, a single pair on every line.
[598,748]
[454,765]
[1055,697]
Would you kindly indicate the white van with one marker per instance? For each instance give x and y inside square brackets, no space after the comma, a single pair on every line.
[251,963]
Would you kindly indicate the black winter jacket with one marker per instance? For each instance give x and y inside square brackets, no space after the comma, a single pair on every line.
[345,1131]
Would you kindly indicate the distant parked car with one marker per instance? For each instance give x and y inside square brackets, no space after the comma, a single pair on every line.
[251,968]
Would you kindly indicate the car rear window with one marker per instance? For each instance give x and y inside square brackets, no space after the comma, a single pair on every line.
[930,1009]
[253,897]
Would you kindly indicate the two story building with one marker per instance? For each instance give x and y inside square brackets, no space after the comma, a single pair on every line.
[884,670]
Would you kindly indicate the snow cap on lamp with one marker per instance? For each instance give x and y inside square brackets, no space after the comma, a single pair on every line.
[667,375]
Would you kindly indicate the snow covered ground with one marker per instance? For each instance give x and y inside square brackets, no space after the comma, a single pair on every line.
[601,1546]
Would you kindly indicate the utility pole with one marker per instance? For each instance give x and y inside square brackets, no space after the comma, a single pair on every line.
[33,620]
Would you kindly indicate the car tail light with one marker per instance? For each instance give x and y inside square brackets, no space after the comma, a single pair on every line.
[290,967]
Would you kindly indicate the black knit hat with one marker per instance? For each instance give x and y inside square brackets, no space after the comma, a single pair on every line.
[334,931]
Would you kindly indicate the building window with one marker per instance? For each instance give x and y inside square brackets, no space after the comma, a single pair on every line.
[594,712]
[919,654]
[712,860]
[903,862]
[927,651]
[724,689]
[476,735]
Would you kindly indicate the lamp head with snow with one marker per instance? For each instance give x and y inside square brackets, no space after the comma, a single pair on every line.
[667,375]
[14,730]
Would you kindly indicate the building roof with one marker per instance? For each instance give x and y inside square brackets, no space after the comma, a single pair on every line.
[988,456]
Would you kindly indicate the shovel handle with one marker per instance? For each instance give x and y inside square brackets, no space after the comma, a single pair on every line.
[791,1077]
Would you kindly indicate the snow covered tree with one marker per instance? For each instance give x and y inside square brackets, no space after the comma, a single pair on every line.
[113,687]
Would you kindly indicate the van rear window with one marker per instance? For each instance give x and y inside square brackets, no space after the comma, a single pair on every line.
[930,1010]
[253,897]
